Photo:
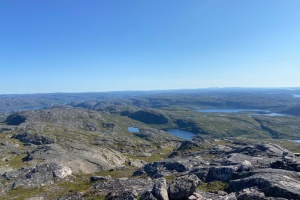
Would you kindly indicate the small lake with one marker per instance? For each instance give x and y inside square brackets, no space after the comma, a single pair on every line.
[182,134]
[133,129]
[298,141]
[237,110]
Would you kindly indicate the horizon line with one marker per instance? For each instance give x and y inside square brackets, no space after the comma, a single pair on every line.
[151,90]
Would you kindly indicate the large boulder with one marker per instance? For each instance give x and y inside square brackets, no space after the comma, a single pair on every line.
[274,185]
[62,172]
[159,190]
[137,163]
[183,187]
[36,139]
[245,166]
[223,173]
[40,175]
[100,178]
[123,184]
[163,168]
[147,195]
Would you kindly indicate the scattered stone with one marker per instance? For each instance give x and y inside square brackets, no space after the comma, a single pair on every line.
[121,195]
[147,195]
[144,154]
[62,171]
[250,194]
[36,198]
[221,193]
[137,163]
[230,196]
[109,125]
[73,196]
[195,196]
[100,178]
[245,166]
[36,139]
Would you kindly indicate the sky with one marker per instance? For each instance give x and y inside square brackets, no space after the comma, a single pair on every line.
[116,45]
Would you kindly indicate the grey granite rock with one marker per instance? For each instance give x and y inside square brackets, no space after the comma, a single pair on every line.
[183,187]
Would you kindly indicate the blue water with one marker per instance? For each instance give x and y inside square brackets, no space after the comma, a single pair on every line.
[298,141]
[274,114]
[296,95]
[236,110]
[182,134]
[232,110]
[133,129]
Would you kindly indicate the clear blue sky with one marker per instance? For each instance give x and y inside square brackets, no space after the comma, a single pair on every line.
[107,45]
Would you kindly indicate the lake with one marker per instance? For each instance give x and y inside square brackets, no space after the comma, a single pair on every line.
[231,110]
[237,110]
[298,141]
[133,129]
[182,134]
[176,132]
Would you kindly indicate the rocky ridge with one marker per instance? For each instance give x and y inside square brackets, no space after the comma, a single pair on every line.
[244,170]
[52,147]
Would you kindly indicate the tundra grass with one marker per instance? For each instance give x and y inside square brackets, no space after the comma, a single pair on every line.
[212,186]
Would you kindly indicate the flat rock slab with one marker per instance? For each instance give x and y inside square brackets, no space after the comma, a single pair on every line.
[124,184]
[275,185]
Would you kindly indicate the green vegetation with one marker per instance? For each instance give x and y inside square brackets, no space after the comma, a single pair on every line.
[17,161]
[212,186]
[118,173]
[79,183]
[21,193]
[288,144]
[170,178]
[2,119]
[159,155]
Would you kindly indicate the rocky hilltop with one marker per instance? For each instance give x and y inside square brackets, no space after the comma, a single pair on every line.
[233,169]
[76,153]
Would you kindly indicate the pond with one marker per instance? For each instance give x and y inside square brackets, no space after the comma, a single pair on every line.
[237,110]
[182,134]
[132,129]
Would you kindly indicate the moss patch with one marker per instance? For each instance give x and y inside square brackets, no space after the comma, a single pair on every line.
[212,186]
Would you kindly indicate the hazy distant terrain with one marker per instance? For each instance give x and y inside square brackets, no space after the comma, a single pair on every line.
[272,98]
